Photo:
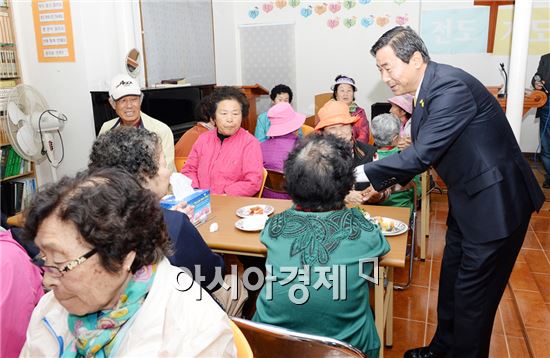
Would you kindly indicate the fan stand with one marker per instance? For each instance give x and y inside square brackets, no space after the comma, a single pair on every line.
[49,146]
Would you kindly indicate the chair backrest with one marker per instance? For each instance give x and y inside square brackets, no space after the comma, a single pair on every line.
[320,100]
[243,348]
[179,162]
[275,181]
[269,341]
[264,177]
[307,129]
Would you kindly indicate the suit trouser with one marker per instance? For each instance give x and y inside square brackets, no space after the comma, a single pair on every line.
[544,132]
[472,280]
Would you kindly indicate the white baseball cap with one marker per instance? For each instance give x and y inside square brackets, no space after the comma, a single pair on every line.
[123,85]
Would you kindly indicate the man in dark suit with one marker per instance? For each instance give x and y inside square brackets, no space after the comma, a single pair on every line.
[541,82]
[459,128]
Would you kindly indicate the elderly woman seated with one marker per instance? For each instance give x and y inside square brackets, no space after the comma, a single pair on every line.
[204,124]
[139,152]
[335,119]
[282,136]
[103,247]
[385,129]
[320,238]
[401,107]
[279,94]
[343,90]
[227,160]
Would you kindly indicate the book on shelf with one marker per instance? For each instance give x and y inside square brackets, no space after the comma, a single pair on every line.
[12,164]
[7,83]
[8,67]
[6,35]
[4,95]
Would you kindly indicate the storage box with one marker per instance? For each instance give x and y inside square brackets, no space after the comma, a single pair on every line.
[200,199]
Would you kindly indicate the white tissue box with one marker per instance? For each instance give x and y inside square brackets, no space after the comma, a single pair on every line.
[200,199]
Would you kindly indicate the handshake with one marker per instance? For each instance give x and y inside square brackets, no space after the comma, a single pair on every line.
[367,196]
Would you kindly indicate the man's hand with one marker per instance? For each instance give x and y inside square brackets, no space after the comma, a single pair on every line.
[539,84]
[372,196]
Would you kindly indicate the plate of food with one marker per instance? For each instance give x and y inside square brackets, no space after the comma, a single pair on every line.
[390,227]
[251,223]
[251,210]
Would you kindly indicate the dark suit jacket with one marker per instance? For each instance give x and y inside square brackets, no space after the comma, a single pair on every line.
[459,128]
[544,72]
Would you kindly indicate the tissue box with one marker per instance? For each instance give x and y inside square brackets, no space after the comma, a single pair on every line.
[200,199]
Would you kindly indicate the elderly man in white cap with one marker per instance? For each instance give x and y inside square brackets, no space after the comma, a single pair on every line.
[125,97]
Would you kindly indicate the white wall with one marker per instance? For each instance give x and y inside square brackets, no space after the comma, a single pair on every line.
[322,52]
[103,34]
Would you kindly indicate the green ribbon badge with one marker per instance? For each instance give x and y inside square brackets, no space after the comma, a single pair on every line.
[422,103]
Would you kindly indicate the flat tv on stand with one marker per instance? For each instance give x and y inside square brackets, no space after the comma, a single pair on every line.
[174,106]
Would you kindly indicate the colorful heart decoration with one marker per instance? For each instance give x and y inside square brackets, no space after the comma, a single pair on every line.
[267,7]
[401,20]
[334,7]
[364,2]
[350,22]
[254,13]
[367,21]
[306,11]
[382,20]
[294,3]
[332,23]
[348,4]
[320,9]
[279,4]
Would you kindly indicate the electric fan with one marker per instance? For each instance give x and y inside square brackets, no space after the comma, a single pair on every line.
[31,127]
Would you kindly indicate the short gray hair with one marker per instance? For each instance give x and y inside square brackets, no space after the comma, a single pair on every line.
[384,129]
[319,172]
[135,150]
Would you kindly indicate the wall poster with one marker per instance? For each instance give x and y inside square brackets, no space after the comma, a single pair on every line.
[53,30]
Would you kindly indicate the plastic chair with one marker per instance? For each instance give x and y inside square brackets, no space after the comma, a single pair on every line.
[179,162]
[263,183]
[275,181]
[269,341]
[320,100]
[243,348]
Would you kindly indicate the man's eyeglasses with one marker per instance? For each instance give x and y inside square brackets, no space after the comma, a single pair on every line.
[58,272]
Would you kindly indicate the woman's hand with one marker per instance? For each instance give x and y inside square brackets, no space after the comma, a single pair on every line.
[372,196]
[404,142]
[354,197]
[182,207]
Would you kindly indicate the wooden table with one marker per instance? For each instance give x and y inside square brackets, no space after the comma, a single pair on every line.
[229,239]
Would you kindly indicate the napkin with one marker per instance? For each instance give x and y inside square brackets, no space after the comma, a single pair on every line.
[181,186]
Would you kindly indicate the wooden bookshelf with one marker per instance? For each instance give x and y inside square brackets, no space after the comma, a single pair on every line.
[10,76]
[22,175]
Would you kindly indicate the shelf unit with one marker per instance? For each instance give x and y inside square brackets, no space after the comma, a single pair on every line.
[10,76]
